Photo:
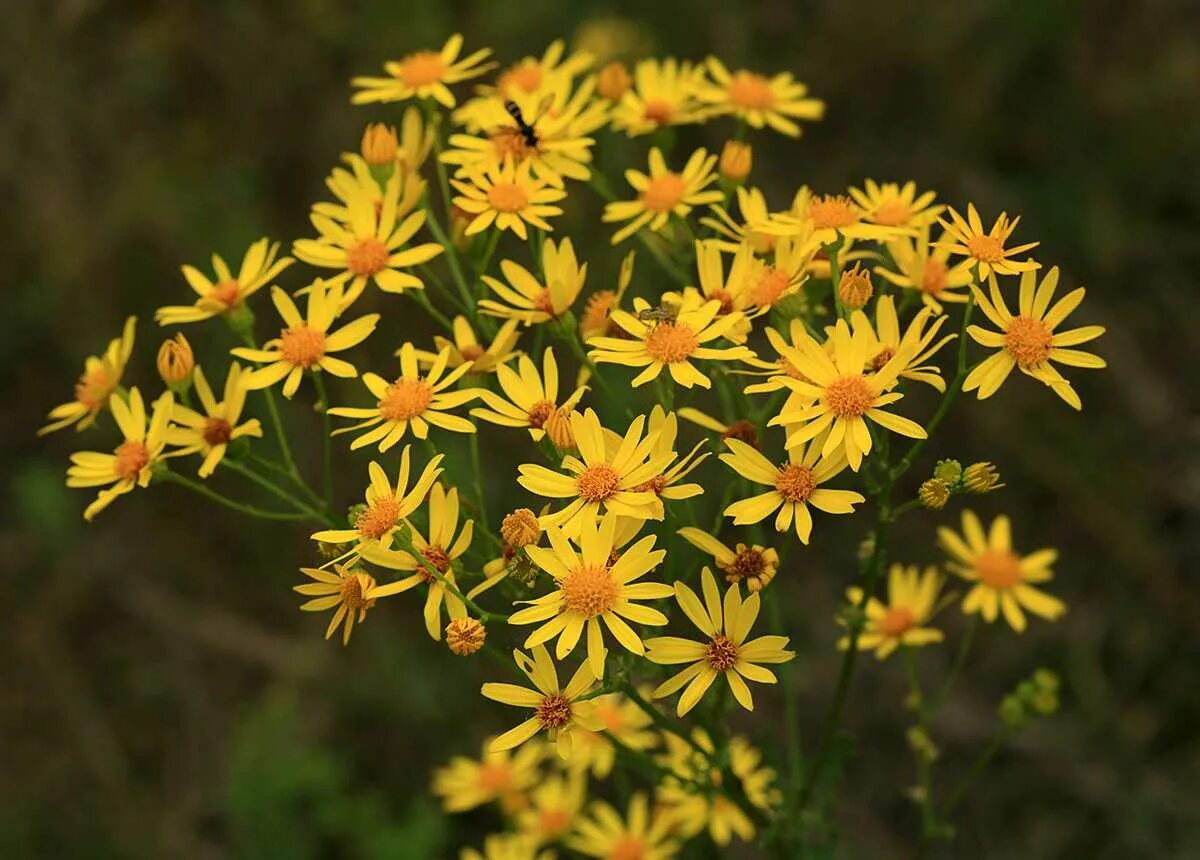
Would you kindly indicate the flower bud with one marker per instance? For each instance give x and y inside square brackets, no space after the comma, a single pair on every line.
[855,289]
[465,636]
[379,144]
[934,494]
[520,528]
[613,81]
[981,478]
[176,363]
[949,471]
[1013,713]
[558,428]
[736,160]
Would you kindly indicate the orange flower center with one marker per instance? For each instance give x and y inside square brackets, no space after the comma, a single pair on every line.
[671,342]
[724,297]
[544,303]
[848,397]
[748,562]
[896,621]
[795,482]
[1028,340]
[884,356]
[494,778]
[422,68]
[598,483]
[589,590]
[405,398]
[509,141]
[989,249]
[933,279]
[94,388]
[610,717]
[352,594]
[217,431]
[539,412]
[554,711]
[226,292]
[999,569]
[721,653]
[552,822]
[525,75]
[376,520]
[627,848]
[770,286]
[132,457]
[664,192]
[833,211]
[436,556]
[893,213]
[595,313]
[472,352]
[750,91]
[743,430]
[507,197]
[367,257]
[302,345]
[659,111]
[655,485]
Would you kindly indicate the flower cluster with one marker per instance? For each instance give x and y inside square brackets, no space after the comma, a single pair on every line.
[635,585]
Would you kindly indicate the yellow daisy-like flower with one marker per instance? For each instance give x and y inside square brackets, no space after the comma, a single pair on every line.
[665,426]
[884,339]
[306,342]
[442,548]
[596,318]
[557,711]
[590,588]
[531,301]
[985,249]
[348,588]
[911,601]
[99,381]
[731,291]
[531,399]
[925,267]
[507,846]
[895,205]
[725,653]
[424,74]
[758,100]
[640,836]
[210,434]
[663,93]
[600,479]
[411,400]
[794,486]
[1028,341]
[663,193]
[841,396]
[359,183]
[386,506]
[530,76]
[671,344]
[509,196]
[466,347]
[369,245]
[131,463]
[500,776]
[742,428]
[1003,580]
[554,806]
[226,293]
[624,723]
[752,209]
[829,217]
[755,565]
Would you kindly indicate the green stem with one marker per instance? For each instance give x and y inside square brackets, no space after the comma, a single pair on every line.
[326,439]
[600,186]
[960,660]
[976,771]
[406,543]
[275,490]
[835,274]
[212,495]
[434,118]
[440,318]
[476,467]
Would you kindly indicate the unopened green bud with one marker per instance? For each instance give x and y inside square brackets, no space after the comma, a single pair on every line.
[949,471]
[1012,712]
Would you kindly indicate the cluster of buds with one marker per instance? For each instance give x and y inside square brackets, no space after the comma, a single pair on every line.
[1037,696]
[949,478]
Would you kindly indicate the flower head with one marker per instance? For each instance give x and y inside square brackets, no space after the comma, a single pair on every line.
[352,590]
[919,342]
[529,399]
[225,293]
[508,196]
[663,193]
[895,205]
[639,836]
[531,301]
[466,347]
[911,601]
[925,267]
[424,74]
[99,381]
[985,249]
[663,93]
[554,805]
[777,101]
[754,565]
[500,776]
[210,434]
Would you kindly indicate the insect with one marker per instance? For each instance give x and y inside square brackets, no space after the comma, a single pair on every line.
[664,313]
[526,129]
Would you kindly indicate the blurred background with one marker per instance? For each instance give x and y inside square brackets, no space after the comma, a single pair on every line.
[161,695]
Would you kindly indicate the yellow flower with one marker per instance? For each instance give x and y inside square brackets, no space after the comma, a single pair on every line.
[508,196]
[359,183]
[99,381]
[507,846]
[596,318]
[671,343]
[306,342]
[386,506]
[554,806]
[664,92]
[1028,341]
[912,598]
[752,209]
[925,268]
[755,565]
[642,836]
[175,363]
[985,250]
[732,291]
[624,722]
[411,400]
[665,426]
[556,710]
[794,486]
[884,339]
[758,100]
[606,478]
[531,301]
[382,147]
[725,653]
[131,463]
[501,776]
[441,550]
[369,245]
[893,205]
[210,434]
[663,193]
[828,217]
[531,399]
[841,396]
[226,293]
[742,428]
[736,160]
[533,75]
[590,588]
[379,144]
[424,74]
[350,589]
[1003,580]
[467,348]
